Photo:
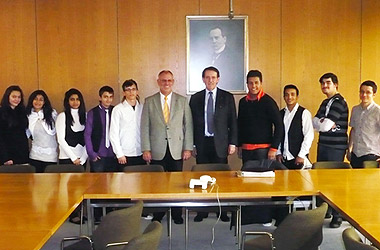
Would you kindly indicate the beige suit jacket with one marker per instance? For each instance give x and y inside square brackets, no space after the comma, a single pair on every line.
[156,134]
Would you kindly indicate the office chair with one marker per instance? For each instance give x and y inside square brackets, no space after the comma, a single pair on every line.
[152,168]
[149,240]
[64,168]
[144,168]
[331,165]
[117,226]
[298,231]
[370,164]
[17,168]
[352,241]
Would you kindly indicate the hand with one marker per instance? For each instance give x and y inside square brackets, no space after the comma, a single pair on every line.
[122,160]
[10,162]
[76,162]
[272,155]
[147,156]
[348,155]
[231,149]
[239,153]
[186,154]
[194,152]
[96,158]
[279,158]
[299,161]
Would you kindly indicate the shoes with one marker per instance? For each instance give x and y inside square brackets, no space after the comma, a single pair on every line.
[224,217]
[178,220]
[328,215]
[200,216]
[76,220]
[147,216]
[155,219]
[336,222]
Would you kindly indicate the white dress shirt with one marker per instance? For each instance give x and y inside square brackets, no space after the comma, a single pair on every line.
[125,129]
[65,150]
[307,131]
[169,100]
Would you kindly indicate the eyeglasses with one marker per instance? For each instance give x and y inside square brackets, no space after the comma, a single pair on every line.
[130,89]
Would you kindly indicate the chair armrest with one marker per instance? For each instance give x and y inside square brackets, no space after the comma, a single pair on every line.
[260,233]
[83,237]
[115,244]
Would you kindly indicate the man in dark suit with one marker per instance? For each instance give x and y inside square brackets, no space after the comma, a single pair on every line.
[167,131]
[215,125]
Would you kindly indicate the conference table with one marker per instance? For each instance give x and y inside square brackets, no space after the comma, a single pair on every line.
[34,206]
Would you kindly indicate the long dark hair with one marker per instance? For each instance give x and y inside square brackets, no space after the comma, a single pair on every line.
[82,107]
[19,116]
[47,108]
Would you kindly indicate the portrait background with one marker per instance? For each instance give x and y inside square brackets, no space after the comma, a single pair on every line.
[232,65]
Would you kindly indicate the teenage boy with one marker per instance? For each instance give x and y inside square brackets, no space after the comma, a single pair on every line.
[364,140]
[96,135]
[295,145]
[331,121]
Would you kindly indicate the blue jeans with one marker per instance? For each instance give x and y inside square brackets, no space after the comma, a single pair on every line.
[326,153]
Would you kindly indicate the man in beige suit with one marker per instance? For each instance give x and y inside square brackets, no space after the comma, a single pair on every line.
[167,131]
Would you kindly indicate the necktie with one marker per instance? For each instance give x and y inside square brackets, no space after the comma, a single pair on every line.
[107,129]
[210,114]
[166,110]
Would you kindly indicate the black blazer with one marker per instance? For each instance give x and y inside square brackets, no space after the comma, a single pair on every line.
[224,121]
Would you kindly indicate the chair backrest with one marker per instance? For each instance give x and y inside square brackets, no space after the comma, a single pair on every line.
[211,167]
[149,240]
[17,168]
[144,168]
[301,229]
[64,168]
[352,241]
[330,165]
[262,165]
[370,164]
[118,226]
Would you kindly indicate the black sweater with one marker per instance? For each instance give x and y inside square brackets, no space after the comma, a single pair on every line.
[259,122]
[13,140]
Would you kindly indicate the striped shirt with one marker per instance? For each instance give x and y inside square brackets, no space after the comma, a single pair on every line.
[335,109]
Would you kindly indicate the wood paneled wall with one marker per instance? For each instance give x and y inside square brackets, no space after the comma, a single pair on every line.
[58,44]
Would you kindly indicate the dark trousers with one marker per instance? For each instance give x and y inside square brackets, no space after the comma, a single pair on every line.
[104,164]
[132,161]
[357,162]
[170,165]
[40,165]
[68,161]
[208,154]
[291,164]
[255,214]
[257,154]
[325,153]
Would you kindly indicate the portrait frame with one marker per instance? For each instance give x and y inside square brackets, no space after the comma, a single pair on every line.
[220,42]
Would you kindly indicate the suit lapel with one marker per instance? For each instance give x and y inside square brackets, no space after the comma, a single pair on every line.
[172,105]
[157,104]
[219,102]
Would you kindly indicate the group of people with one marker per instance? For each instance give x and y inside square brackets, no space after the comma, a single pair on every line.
[167,130]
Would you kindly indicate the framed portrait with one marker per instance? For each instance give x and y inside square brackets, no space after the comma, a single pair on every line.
[220,42]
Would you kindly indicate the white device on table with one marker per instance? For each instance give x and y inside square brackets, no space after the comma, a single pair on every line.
[202,181]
